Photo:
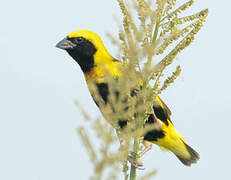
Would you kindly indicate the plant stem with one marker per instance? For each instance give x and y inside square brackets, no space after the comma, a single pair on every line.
[156,32]
[135,150]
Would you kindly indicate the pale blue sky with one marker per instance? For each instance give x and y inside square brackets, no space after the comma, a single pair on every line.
[39,84]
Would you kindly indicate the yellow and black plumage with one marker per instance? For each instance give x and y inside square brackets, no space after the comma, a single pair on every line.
[88,50]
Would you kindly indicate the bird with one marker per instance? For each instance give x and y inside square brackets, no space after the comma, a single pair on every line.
[88,50]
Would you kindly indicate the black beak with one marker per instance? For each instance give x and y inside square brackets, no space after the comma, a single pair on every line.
[65,44]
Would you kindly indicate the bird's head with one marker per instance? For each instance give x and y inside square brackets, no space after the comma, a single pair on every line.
[85,47]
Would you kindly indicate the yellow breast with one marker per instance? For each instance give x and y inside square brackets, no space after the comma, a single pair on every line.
[99,72]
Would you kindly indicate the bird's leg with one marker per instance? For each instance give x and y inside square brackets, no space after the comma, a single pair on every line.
[145,150]
[139,164]
[148,146]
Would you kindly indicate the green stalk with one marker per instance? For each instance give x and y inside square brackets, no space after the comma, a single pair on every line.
[156,32]
[135,150]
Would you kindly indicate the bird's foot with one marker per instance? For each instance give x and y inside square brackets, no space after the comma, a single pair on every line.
[137,164]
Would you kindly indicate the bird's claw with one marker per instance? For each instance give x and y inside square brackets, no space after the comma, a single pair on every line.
[139,165]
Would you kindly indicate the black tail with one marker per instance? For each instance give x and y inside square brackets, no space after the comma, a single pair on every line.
[194,156]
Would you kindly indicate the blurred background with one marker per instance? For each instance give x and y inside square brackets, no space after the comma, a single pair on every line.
[39,84]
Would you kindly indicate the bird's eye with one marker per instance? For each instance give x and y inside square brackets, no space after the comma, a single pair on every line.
[78,39]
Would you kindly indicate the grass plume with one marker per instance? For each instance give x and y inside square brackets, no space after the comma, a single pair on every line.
[145,36]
